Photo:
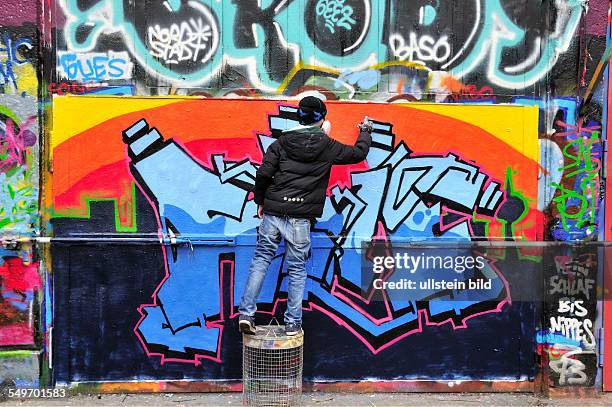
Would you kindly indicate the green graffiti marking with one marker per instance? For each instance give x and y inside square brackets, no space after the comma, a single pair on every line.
[577,206]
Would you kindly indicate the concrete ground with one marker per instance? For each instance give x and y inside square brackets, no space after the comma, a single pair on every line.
[317,399]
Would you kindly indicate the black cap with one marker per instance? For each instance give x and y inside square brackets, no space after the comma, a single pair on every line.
[311,110]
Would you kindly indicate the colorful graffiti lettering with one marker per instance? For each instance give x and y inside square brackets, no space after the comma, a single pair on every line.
[186,35]
[94,67]
[577,203]
[11,57]
[400,193]
[167,325]
[571,154]
[75,88]
[470,93]
[413,206]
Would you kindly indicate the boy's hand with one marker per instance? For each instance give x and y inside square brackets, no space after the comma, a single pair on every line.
[366,125]
[260,211]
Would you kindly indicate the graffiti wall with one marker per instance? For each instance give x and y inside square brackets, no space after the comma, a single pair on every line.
[549,56]
[19,277]
[146,198]
[21,285]
[153,170]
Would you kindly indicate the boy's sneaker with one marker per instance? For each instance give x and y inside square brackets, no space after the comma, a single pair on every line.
[247,324]
[292,329]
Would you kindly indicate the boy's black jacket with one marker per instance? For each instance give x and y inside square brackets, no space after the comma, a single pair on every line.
[294,174]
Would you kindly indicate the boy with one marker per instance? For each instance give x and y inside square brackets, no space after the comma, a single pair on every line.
[290,191]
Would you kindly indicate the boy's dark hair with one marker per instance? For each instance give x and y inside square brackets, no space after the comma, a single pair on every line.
[311,110]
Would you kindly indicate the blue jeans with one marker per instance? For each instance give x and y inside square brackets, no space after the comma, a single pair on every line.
[296,233]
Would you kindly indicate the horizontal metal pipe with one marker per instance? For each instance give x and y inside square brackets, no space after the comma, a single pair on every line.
[108,239]
[203,241]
